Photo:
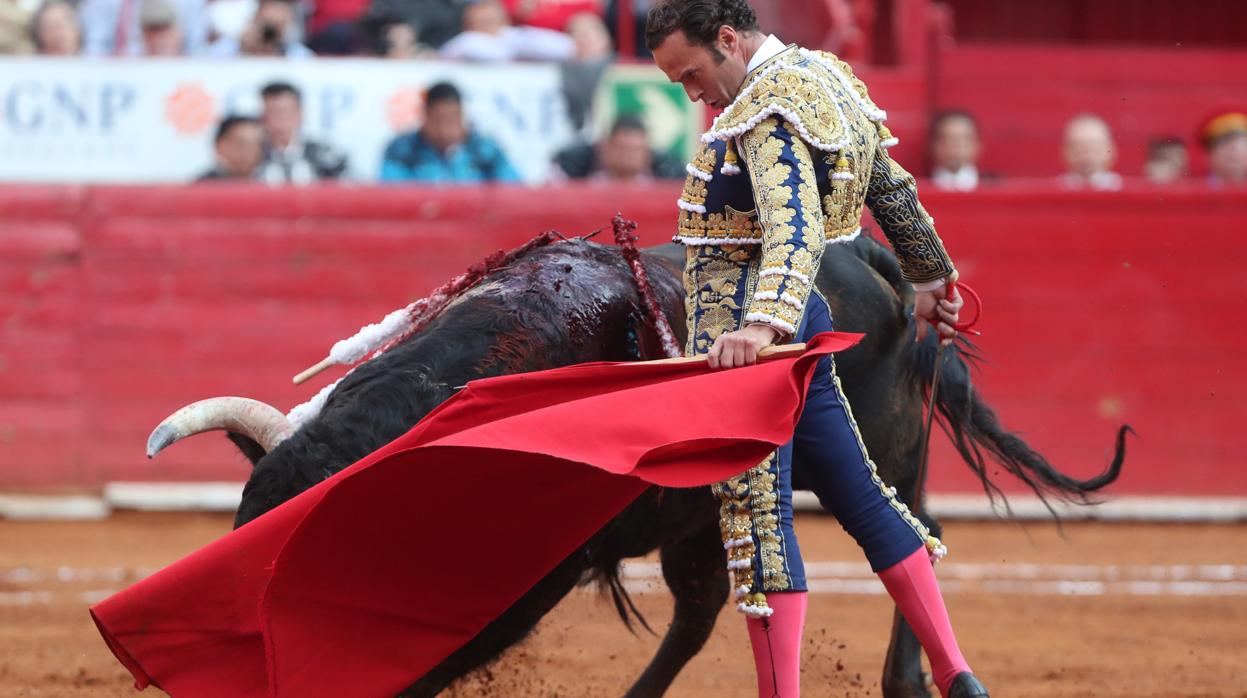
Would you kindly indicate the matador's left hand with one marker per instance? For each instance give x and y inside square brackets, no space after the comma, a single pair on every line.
[944,311]
[741,347]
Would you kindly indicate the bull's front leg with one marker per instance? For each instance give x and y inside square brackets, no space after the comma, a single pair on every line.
[695,569]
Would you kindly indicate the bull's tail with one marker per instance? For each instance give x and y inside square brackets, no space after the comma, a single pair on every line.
[976,432]
[608,580]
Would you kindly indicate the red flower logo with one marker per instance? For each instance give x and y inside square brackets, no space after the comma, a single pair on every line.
[405,108]
[190,109]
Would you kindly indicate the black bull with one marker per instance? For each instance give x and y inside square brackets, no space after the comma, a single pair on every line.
[576,301]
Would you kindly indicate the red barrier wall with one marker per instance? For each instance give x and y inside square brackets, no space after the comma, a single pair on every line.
[119,305]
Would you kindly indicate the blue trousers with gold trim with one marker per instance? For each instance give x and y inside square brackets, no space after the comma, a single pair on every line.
[834,464]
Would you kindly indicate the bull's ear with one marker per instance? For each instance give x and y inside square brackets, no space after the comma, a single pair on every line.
[249,447]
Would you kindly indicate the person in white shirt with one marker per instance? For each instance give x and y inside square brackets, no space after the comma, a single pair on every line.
[289,158]
[955,150]
[270,33]
[56,29]
[1089,155]
[115,28]
[488,37]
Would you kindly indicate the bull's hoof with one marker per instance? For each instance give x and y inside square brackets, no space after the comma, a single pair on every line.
[965,685]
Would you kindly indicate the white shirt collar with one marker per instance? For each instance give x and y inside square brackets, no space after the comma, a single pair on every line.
[769,49]
[964,179]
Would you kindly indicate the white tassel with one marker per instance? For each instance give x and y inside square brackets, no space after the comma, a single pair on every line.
[845,238]
[691,208]
[766,296]
[703,176]
[693,240]
[755,611]
[889,142]
[792,300]
[775,322]
[730,169]
[842,176]
[785,271]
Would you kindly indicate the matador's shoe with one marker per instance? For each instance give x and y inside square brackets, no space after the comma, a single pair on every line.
[965,685]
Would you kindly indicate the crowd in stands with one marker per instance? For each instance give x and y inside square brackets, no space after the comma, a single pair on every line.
[473,30]
[571,33]
[1090,153]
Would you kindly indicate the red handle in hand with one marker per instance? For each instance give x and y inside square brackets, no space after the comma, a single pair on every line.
[965,325]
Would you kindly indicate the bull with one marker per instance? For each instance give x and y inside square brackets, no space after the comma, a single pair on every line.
[576,301]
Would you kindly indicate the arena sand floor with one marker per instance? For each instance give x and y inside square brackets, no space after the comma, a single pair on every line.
[1110,610]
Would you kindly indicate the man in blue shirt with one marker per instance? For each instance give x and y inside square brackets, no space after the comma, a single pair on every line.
[445,150]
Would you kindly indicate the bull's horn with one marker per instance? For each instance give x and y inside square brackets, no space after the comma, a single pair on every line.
[264,424]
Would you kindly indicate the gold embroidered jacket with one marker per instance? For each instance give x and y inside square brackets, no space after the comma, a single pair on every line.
[814,149]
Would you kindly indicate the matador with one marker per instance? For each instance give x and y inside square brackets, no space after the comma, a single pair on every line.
[785,170]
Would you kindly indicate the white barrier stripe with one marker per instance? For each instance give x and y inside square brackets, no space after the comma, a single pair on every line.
[646,578]
[976,507]
[173,496]
[47,598]
[873,587]
[1025,571]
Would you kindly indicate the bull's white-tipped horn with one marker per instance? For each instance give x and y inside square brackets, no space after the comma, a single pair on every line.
[262,423]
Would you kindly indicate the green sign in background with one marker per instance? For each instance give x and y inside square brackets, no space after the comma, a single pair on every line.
[673,122]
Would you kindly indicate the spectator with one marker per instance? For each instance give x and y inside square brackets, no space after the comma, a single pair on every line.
[268,34]
[115,27]
[162,32]
[400,41]
[584,72]
[1225,138]
[445,150]
[330,13]
[623,157]
[1089,155]
[56,30]
[488,37]
[1167,160]
[434,22]
[550,14]
[15,34]
[335,27]
[288,157]
[955,150]
[640,9]
[239,148]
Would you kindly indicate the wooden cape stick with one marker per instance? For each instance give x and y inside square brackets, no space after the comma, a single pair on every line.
[772,352]
[309,373]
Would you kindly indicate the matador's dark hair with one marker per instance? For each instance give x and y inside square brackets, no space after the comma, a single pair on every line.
[698,19]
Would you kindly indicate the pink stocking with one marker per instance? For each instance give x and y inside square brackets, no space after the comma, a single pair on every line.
[776,645]
[912,585]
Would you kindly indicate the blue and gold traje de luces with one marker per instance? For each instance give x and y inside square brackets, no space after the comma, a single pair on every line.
[784,171]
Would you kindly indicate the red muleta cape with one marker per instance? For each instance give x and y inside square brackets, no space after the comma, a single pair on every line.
[363,583]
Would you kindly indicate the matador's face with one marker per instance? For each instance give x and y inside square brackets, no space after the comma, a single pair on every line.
[709,74]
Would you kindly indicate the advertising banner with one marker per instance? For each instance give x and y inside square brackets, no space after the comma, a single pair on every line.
[152,121]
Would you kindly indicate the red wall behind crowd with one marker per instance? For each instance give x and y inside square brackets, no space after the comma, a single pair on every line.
[118,305]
